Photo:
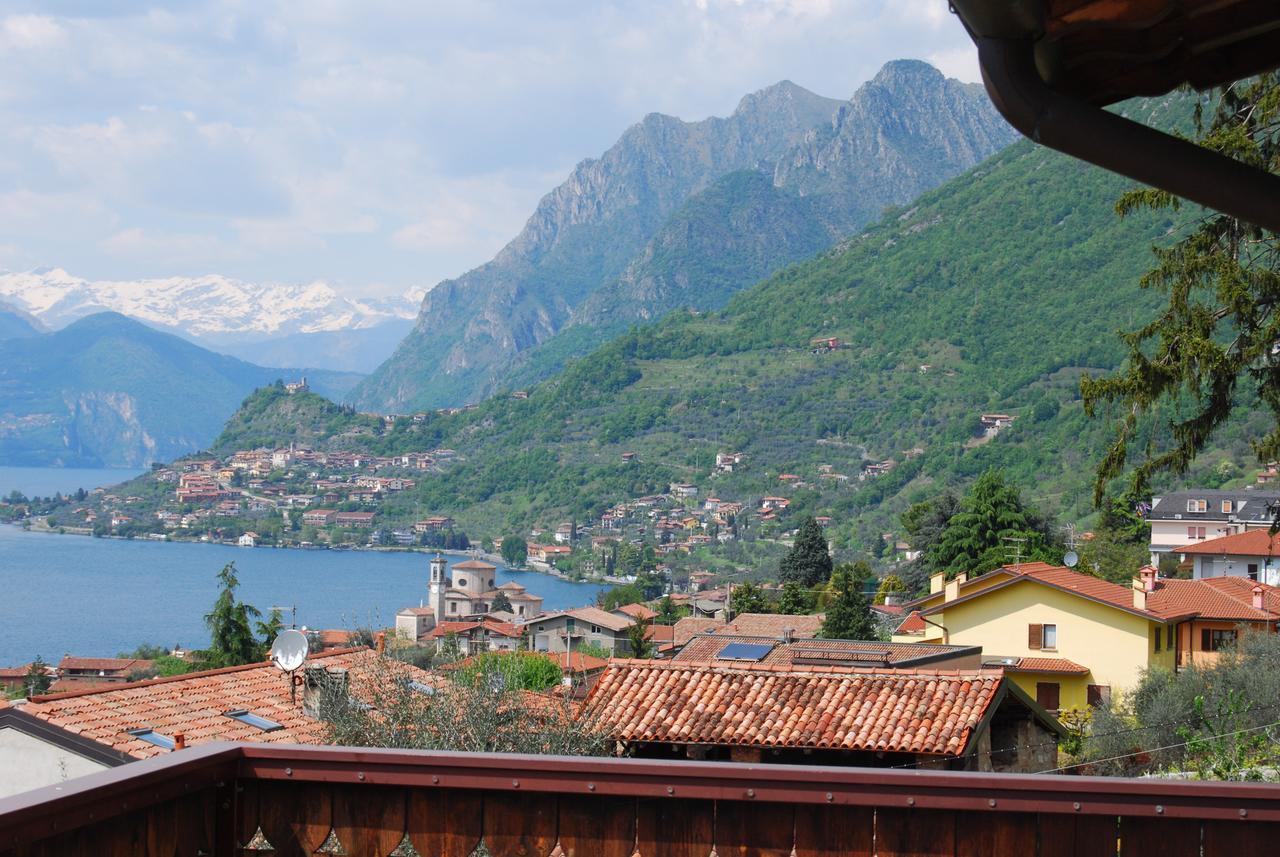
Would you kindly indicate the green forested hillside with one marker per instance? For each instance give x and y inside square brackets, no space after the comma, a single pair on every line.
[993,293]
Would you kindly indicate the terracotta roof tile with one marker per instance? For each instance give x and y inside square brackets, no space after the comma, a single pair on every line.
[193,704]
[908,711]
[637,611]
[1214,598]
[706,648]
[690,626]
[1048,665]
[913,624]
[1248,543]
[117,665]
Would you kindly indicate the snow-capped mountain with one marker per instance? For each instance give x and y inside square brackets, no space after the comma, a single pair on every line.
[298,325]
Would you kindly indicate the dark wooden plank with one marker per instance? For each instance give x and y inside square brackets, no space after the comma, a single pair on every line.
[750,829]
[125,836]
[670,827]
[1078,835]
[834,831]
[519,825]
[246,810]
[915,833]
[445,823]
[225,807]
[295,817]
[195,814]
[1239,838]
[597,827]
[982,834]
[369,820]
[1159,837]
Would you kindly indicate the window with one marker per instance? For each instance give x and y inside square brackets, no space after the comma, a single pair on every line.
[1253,571]
[250,719]
[153,737]
[1196,532]
[1168,637]
[595,629]
[1212,641]
[1047,694]
[1096,694]
[1035,636]
[1158,634]
[1050,636]
[1226,507]
[462,581]
[453,606]
[1197,505]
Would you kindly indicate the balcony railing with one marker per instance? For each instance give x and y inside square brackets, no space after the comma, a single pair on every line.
[235,799]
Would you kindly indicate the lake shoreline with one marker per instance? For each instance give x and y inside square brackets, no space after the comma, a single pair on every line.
[40,525]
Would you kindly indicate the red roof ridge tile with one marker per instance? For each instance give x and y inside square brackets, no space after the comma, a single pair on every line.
[166,679]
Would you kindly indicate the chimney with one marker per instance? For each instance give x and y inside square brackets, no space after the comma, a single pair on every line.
[1148,574]
[789,633]
[937,581]
[179,741]
[1139,595]
[952,591]
[380,642]
[318,686]
[893,599]
[1257,598]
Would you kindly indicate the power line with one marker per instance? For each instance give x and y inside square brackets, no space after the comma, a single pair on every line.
[1158,749]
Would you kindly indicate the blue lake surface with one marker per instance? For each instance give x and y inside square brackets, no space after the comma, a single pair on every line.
[47,481]
[97,597]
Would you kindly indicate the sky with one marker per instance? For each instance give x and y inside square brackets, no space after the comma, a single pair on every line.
[378,146]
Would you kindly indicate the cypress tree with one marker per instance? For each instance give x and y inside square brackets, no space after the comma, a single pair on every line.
[849,616]
[231,635]
[807,563]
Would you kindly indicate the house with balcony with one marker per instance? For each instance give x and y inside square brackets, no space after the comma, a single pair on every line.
[1182,518]
[567,630]
[1252,554]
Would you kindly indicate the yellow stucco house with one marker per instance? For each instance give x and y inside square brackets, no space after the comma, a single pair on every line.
[1071,639]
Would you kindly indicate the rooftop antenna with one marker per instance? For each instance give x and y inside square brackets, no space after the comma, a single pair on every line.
[288,652]
[1015,547]
[1071,558]
[293,612]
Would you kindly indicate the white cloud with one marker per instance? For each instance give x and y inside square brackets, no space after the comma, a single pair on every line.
[383,143]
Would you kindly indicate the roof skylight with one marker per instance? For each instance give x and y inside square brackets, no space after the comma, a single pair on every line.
[153,737]
[247,717]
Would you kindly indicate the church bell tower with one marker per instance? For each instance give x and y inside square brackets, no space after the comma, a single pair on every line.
[437,586]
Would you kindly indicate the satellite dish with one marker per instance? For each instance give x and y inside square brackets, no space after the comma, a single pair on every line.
[289,650]
[1071,560]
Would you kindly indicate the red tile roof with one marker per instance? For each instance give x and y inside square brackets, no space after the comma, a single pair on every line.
[1067,580]
[1248,543]
[638,611]
[476,565]
[109,665]
[908,711]
[706,648]
[690,626]
[193,705]
[1228,598]
[660,633]
[913,624]
[1047,665]
[502,629]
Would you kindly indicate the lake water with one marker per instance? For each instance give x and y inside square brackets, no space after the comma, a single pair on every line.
[97,597]
[47,481]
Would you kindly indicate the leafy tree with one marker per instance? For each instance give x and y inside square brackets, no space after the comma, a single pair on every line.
[808,563]
[976,539]
[747,598]
[848,617]
[145,652]
[519,670]
[621,596]
[795,600]
[1222,318]
[501,602]
[594,650]
[515,550]
[232,640]
[271,628]
[668,612]
[37,680]
[892,584]
[641,646]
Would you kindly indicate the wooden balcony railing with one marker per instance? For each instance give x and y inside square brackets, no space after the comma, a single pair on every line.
[236,799]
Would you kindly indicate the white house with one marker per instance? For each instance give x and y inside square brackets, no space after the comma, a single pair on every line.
[1251,554]
[1184,518]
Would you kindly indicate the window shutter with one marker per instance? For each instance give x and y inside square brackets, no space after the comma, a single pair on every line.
[1035,636]
[1206,640]
[1047,695]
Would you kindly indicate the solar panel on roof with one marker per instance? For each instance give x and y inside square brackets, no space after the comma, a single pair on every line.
[744,651]
[153,737]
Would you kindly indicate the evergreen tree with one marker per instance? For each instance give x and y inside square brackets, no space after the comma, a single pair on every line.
[747,598]
[501,602]
[641,647]
[668,612]
[1220,325]
[515,550]
[795,600]
[37,679]
[231,636]
[892,584]
[849,616]
[271,628]
[808,563]
[978,537]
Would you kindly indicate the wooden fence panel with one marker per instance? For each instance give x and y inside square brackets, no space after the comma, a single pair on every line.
[445,823]
[295,818]
[674,827]
[369,820]
[835,831]
[750,829]
[520,824]
[1239,838]
[983,834]
[1078,835]
[915,833]
[597,827]
[1159,837]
